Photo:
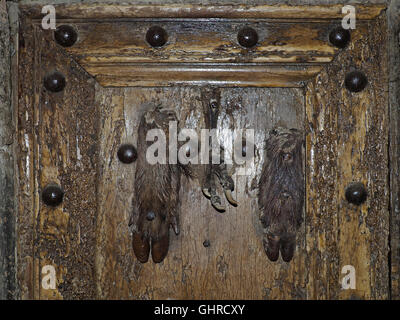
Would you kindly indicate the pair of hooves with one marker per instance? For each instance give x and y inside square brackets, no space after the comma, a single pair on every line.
[274,244]
[142,245]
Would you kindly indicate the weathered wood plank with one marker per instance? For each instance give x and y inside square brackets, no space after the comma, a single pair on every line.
[200,53]
[57,135]
[7,210]
[278,11]
[347,140]
[225,76]
[26,186]
[67,135]
[394,145]
[202,42]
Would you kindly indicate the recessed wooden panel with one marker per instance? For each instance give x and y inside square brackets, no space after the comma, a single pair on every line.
[235,265]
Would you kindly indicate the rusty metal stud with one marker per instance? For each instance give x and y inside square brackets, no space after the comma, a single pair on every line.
[156,36]
[247,37]
[214,105]
[356,193]
[65,35]
[206,243]
[54,82]
[127,153]
[150,216]
[52,195]
[339,37]
[355,81]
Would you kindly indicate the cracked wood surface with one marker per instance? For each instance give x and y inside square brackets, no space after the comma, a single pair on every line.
[230,11]
[7,211]
[347,140]
[57,136]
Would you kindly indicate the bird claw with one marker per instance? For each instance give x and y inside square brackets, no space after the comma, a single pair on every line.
[227,184]
[228,195]
[206,192]
[216,203]
[209,189]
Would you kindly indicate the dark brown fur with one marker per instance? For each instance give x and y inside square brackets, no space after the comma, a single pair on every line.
[281,192]
[156,193]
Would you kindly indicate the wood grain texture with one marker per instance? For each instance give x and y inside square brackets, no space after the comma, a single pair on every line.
[347,140]
[234,266]
[58,134]
[199,41]
[235,11]
[105,48]
[67,139]
[202,52]
[394,145]
[7,210]
[25,175]
[224,76]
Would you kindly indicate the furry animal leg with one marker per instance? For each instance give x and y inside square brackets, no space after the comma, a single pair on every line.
[281,192]
[155,201]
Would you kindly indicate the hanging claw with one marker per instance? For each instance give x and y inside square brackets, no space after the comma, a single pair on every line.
[175,224]
[206,193]
[228,195]
[227,183]
[216,203]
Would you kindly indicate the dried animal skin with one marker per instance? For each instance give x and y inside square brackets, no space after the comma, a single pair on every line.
[156,197]
[281,192]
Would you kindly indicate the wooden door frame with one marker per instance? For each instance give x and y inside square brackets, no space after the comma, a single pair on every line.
[7,223]
[380,115]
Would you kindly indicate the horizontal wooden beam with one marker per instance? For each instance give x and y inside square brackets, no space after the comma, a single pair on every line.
[115,11]
[131,75]
[199,51]
[202,42]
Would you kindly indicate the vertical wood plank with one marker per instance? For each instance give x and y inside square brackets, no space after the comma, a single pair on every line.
[394,144]
[7,210]
[26,187]
[57,134]
[347,140]
[67,140]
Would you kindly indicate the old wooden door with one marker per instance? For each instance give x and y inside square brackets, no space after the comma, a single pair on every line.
[294,77]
